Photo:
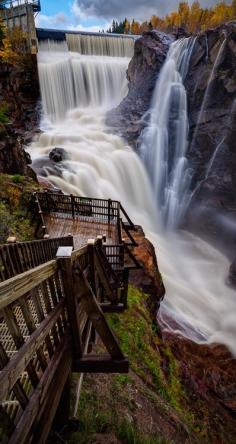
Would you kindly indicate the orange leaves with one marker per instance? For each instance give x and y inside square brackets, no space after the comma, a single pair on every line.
[13,44]
[192,18]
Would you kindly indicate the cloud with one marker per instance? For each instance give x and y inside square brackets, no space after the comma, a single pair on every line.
[59,20]
[139,9]
[76,21]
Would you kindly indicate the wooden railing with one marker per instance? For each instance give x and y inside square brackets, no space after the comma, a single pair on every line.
[75,206]
[18,257]
[48,317]
[100,210]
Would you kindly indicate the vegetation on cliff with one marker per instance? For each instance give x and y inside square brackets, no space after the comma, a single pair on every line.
[150,405]
[15,217]
[19,93]
[192,19]
[12,44]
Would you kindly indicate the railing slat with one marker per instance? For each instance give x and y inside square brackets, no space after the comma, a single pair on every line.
[10,374]
[14,288]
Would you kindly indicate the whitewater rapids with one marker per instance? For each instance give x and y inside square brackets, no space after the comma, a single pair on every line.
[100,164]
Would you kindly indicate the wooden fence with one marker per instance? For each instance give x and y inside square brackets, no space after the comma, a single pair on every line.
[18,257]
[100,210]
[48,318]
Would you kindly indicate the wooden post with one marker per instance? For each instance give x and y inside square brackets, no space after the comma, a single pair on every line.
[99,242]
[47,200]
[72,205]
[66,266]
[109,210]
[92,276]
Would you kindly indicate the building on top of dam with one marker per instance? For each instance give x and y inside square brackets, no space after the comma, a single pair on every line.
[21,13]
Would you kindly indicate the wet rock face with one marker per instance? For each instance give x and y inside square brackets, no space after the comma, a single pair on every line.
[208,373]
[19,92]
[149,55]
[211,90]
[148,279]
[232,274]
[13,158]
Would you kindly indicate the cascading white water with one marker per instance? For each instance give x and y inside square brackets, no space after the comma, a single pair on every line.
[101,165]
[105,45]
[164,141]
[77,81]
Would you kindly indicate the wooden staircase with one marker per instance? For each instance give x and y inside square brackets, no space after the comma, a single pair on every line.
[53,302]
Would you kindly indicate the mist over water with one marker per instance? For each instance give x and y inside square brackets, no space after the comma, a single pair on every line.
[77,91]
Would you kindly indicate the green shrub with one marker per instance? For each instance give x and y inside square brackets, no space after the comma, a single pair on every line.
[17,178]
[3,116]
[5,221]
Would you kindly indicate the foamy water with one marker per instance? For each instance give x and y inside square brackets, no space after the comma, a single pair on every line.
[101,164]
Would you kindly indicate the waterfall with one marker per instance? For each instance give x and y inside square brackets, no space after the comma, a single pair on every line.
[164,141]
[103,45]
[213,158]
[100,164]
[72,80]
[77,91]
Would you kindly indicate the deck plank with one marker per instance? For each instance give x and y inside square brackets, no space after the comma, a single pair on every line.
[81,229]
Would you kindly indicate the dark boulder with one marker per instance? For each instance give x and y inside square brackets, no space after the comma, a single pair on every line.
[58,155]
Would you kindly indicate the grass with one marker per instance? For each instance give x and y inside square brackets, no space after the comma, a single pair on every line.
[115,412]
[17,178]
[140,343]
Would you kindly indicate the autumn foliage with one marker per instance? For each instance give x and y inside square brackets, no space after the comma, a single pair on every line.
[12,44]
[192,18]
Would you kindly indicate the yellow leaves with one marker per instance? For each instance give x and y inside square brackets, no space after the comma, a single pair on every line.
[135,28]
[7,55]
[192,18]
[12,44]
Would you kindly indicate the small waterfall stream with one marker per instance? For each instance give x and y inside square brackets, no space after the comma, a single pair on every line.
[164,141]
[77,91]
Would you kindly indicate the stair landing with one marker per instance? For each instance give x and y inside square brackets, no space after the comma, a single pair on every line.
[81,228]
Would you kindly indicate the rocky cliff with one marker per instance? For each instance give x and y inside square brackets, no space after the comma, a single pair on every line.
[211,89]
[149,55]
[19,94]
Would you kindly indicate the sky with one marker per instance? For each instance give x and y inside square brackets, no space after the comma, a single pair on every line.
[95,15]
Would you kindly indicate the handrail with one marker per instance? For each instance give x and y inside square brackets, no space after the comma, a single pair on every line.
[48,315]
[110,211]
[19,257]
[127,217]
[14,288]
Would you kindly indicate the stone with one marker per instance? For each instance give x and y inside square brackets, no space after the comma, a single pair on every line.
[58,155]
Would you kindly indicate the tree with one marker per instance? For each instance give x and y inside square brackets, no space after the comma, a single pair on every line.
[196,11]
[126,26]
[135,28]
[13,44]
[193,19]
[183,14]
[233,7]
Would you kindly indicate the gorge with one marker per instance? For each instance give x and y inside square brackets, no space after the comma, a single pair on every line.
[78,92]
